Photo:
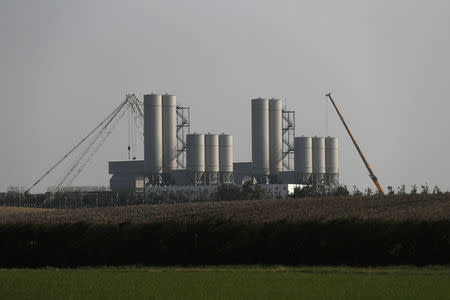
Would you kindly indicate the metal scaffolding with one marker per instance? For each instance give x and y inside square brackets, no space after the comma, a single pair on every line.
[288,138]
[183,128]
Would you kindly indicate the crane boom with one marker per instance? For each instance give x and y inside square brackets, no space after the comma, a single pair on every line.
[138,113]
[371,174]
[73,149]
[102,131]
[92,147]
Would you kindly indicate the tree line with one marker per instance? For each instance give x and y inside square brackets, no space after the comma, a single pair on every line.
[224,192]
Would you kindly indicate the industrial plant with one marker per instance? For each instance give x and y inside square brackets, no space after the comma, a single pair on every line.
[178,161]
[194,165]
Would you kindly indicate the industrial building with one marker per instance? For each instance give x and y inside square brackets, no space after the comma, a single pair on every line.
[179,161]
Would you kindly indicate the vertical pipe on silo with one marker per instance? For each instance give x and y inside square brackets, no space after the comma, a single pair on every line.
[169,131]
[318,151]
[303,158]
[275,135]
[152,134]
[260,137]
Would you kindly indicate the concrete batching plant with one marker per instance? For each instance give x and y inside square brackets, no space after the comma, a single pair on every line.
[209,157]
[174,157]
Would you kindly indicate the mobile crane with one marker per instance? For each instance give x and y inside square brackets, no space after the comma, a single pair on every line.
[371,174]
[95,139]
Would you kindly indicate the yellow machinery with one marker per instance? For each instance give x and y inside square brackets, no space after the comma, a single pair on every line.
[371,174]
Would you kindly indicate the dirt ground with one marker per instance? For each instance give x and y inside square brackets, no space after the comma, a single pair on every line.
[398,207]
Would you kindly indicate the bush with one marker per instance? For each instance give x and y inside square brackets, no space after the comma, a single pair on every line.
[356,191]
[309,191]
[437,190]
[425,189]
[227,192]
[391,190]
[341,242]
[306,191]
[342,190]
[401,190]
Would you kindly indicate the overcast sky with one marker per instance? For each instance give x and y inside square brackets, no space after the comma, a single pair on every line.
[66,64]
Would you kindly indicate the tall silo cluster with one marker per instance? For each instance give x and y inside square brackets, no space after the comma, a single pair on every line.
[160,143]
[266,138]
[160,140]
[209,158]
[316,160]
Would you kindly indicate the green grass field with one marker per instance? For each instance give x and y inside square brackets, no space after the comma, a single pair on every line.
[233,282]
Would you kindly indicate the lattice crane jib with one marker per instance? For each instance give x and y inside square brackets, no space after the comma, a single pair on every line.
[90,144]
[137,111]
[92,147]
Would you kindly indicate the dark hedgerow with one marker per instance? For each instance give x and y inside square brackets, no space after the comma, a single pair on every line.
[340,242]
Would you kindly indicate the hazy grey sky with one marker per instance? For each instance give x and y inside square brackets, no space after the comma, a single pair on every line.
[66,64]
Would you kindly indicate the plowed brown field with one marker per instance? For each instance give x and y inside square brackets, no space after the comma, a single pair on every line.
[396,208]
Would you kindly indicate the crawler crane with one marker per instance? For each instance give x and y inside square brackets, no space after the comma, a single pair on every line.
[371,174]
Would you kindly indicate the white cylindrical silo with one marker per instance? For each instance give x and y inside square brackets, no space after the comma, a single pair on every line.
[303,158]
[195,152]
[169,131]
[195,158]
[152,134]
[275,135]
[260,137]
[212,157]
[211,152]
[225,157]
[332,159]
[318,155]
